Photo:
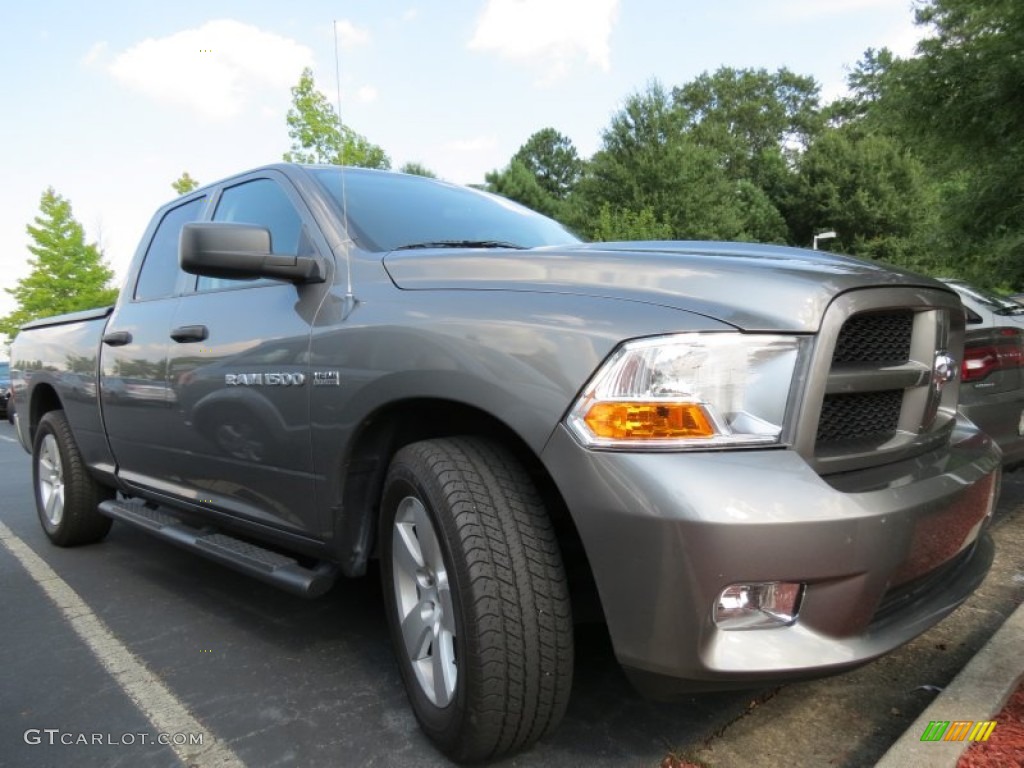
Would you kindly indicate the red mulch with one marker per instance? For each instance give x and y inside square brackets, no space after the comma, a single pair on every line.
[674,761]
[1005,747]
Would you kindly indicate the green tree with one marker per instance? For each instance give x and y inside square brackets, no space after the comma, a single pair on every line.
[968,111]
[624,224]
[417,169]
[966,81]
[552,158]
[758,122]
[752,116]
[870,191]
[957,106]
[868,81]
[184,184]
[517,182]
[319,136]
[541,175]
[67,273]
[649,161]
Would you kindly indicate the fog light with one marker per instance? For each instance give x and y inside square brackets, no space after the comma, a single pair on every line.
[758,606]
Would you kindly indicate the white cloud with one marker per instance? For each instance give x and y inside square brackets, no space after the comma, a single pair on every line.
[214,70]
[349,35]
[552,33]
[366,94]
[410,15]
[476,144]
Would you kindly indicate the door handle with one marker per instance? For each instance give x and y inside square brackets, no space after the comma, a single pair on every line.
[186,333]
[117,338]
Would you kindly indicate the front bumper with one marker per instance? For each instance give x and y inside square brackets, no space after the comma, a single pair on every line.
[885,553]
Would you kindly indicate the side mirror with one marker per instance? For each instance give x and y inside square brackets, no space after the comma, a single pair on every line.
[240,251]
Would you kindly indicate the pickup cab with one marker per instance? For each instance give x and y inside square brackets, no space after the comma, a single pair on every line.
[746,460]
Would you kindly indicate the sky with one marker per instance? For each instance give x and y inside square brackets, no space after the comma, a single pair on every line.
[109,102]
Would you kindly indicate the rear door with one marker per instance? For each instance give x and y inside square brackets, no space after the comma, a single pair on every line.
[137,403]
[239,371]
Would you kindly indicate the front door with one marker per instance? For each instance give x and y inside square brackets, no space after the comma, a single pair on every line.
[240,375]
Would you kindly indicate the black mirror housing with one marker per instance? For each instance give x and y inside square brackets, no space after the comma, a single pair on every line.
[240,251]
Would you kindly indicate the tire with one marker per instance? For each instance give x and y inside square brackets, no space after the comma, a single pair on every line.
[462,513]
[66,494]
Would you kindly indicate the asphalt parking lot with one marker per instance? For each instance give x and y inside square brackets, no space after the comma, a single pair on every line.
[273,680]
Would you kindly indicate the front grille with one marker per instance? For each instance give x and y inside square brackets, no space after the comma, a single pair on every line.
[859,416]
[875,337]
[872,396]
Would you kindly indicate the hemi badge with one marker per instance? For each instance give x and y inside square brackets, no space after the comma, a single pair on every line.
[326,379]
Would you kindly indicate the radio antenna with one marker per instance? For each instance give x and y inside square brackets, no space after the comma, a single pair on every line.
[349,296]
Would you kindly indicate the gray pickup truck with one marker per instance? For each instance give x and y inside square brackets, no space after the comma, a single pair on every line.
[746,459]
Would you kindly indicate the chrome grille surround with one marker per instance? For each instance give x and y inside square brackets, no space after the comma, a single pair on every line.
[862,408]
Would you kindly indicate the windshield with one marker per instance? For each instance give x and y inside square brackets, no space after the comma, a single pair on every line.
[5,371]
[387,211]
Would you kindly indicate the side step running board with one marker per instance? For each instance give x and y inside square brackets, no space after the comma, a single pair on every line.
[263,564]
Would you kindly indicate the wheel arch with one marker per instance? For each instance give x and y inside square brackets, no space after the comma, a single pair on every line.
[44,399]
[398,424]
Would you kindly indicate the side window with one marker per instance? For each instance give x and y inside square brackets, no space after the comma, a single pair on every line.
[973,318]
[261,202]
[160,273]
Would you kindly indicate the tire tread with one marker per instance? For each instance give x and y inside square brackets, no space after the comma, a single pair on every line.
[519,621]
[82,522]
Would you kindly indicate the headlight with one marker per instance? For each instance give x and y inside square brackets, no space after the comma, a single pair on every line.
[690,390]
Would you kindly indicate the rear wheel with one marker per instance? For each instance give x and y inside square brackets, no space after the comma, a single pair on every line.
[477,598]
[66,494]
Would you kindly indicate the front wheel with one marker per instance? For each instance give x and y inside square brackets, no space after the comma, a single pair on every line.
[66,494]
[477,597]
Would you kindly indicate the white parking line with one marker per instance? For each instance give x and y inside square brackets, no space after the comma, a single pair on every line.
[7,439]
[162,708]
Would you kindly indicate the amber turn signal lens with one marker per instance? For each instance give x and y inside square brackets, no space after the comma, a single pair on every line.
[647,420]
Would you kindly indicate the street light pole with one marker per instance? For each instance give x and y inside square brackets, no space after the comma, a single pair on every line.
[822,236]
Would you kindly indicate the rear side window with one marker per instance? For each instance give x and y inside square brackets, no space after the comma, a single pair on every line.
[161,276]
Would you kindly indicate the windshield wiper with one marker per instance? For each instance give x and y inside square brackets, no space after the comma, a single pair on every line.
[461,244]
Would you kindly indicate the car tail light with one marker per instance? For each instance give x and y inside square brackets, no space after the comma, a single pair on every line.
[1005,353]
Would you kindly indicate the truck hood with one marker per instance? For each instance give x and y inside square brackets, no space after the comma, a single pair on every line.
[752,287]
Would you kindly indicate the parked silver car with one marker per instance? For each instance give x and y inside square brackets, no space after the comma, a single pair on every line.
[985,309]
[992,387]
[992,381]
